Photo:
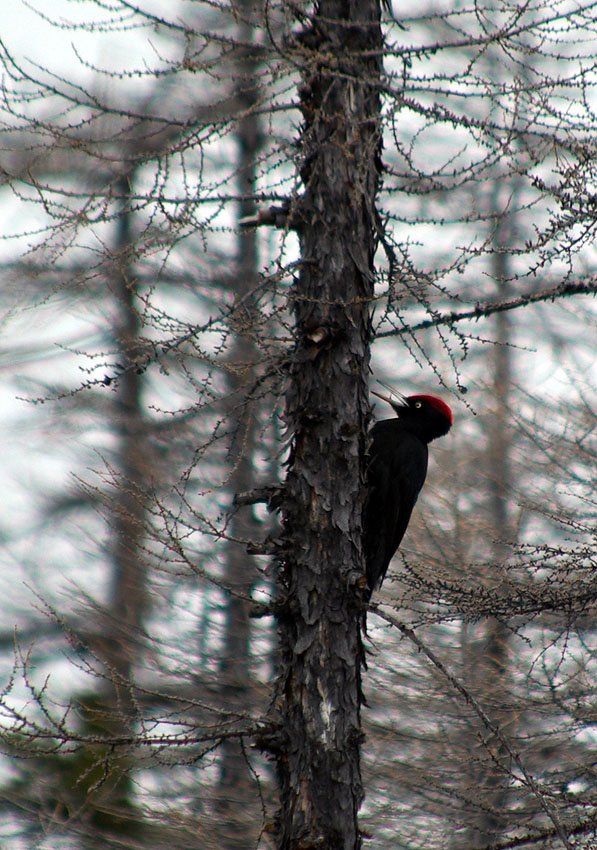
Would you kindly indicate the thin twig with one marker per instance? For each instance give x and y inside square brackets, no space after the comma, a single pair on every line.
[485,719]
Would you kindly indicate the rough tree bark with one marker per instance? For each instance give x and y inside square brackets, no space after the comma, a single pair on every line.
[321,570]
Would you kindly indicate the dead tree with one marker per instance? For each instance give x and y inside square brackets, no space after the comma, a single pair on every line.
[321,566]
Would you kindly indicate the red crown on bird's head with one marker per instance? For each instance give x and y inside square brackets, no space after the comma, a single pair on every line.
[437,403]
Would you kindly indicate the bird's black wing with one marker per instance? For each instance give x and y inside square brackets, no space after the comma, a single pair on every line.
[396,473]
[380,505]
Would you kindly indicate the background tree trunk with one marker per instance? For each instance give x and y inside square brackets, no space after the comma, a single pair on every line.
[239,816]
[111,710]
[488,658]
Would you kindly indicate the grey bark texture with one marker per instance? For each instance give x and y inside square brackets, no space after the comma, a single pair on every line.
[321,570]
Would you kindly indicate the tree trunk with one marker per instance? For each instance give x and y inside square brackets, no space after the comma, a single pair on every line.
[491,656]
[129,595]
[494,651]
[321,571]
[111,710]
[239,816]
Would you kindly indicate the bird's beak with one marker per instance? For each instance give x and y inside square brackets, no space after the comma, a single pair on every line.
[382,397]
[395,403]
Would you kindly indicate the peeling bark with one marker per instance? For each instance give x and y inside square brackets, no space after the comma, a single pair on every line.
[321,574]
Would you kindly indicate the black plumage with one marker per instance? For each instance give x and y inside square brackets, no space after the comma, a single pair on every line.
[395,475]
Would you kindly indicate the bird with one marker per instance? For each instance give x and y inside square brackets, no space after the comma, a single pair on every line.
[396,473]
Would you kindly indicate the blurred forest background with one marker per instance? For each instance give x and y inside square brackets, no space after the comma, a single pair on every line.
[146,337]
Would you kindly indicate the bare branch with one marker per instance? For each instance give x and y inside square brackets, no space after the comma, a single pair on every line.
[565,290]
[489,724]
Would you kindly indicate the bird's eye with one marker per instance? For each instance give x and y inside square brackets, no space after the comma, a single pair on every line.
[418,404]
